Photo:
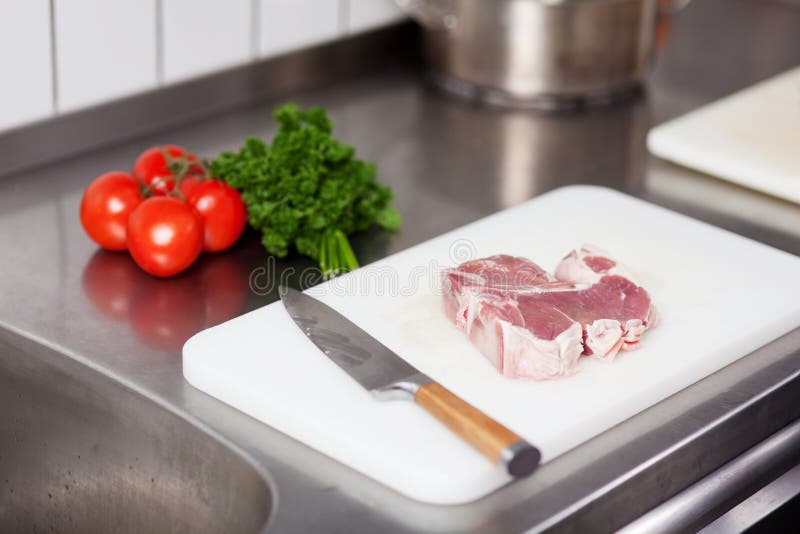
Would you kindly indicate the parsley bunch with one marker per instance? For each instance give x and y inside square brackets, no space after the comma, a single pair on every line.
[307,190]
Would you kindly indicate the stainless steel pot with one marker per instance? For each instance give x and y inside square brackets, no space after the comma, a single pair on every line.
[538,53]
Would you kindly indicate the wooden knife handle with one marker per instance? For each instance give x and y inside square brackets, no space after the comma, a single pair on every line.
[492,439]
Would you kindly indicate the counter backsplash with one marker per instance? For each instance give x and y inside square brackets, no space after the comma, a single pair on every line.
[64,55]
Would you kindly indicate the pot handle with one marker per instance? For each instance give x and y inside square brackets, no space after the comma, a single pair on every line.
[433,14]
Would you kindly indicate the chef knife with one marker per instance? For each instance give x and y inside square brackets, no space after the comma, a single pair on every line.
[388,376]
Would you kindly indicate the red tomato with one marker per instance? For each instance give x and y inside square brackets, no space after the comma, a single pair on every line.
[188,183]
[106,205]
[165,236]
[152,169]
[223,212]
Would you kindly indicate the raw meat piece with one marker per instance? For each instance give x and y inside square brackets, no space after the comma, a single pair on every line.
[481,297]
[613,313]
[588,265]
[501,272]
[530,324]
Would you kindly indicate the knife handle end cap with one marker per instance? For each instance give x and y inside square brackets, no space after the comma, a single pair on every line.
[521,458]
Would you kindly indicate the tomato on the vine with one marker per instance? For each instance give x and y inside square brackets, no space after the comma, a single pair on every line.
[188,182]
[165,236]
[153,168]
[222,210]
[105,207]
[166,213]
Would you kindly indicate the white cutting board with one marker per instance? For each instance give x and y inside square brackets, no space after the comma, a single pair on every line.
[751,138]
[720,296]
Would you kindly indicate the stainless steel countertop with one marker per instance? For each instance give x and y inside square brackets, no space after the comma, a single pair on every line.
[449,163]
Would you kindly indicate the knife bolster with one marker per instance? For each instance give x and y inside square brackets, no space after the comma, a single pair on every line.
[404,389]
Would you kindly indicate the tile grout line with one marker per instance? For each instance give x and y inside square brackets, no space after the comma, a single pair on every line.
[344,16]
[53,58]
[159,7]
[255,29]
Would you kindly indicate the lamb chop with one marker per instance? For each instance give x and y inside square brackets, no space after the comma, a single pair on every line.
[531,324]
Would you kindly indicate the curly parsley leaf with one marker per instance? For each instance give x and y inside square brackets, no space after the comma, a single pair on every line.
[307,190]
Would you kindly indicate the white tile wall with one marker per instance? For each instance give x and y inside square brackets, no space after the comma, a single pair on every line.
[370,14]
[104,50]
[292,24]
[107,49]
[201,36]
[27,85]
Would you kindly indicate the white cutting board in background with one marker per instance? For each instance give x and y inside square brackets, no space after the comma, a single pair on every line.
[751,138]
[720,296]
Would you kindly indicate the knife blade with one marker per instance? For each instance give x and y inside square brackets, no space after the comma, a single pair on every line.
[388,376]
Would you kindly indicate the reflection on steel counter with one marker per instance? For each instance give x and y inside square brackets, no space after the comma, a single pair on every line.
[164,313]
[526,153]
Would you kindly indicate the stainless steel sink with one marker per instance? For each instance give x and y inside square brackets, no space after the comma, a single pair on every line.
[80,452]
